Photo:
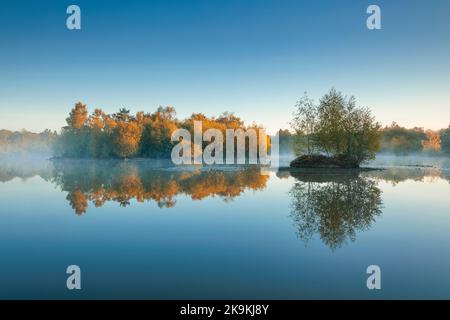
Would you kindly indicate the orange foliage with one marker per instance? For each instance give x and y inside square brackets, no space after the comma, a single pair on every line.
[433,144]
[78,116]
[163,188]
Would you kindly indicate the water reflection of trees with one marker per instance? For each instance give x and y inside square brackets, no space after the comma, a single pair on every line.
[24,168]
[93,183]
[396,175]
[334,206]
[122,182]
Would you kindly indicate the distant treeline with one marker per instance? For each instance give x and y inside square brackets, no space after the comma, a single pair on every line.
[395,139]
[123,135]
[26,142]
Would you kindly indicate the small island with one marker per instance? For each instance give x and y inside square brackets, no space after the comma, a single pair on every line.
[334,133]
[322,161]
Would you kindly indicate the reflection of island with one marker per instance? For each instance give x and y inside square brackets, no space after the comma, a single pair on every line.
[334,206]
[100,182]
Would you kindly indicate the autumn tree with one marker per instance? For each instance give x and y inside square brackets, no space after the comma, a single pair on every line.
[126,138]
[74,138]
[97,119]
[99,145]
[157,131]
[230,121]
[401,140]
[432,143]
[78,116]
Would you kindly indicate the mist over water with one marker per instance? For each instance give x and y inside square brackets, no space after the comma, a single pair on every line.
[417,160]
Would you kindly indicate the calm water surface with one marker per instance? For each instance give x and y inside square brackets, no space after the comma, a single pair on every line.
[145,229]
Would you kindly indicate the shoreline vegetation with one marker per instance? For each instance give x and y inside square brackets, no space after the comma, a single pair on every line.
[142,135]
[334,133]
[394,140]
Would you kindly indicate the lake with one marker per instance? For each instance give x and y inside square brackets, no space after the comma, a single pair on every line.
[146,229]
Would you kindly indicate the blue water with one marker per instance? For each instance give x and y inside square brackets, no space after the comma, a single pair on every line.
[183,233]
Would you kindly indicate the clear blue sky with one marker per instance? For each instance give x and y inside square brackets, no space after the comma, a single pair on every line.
[255,58]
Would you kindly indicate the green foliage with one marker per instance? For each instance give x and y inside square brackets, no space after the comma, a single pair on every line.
[336,127]
[445,140]
[286,141]
[73,142]
[26,142]
[305,125]
[335,207]
[402,141]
